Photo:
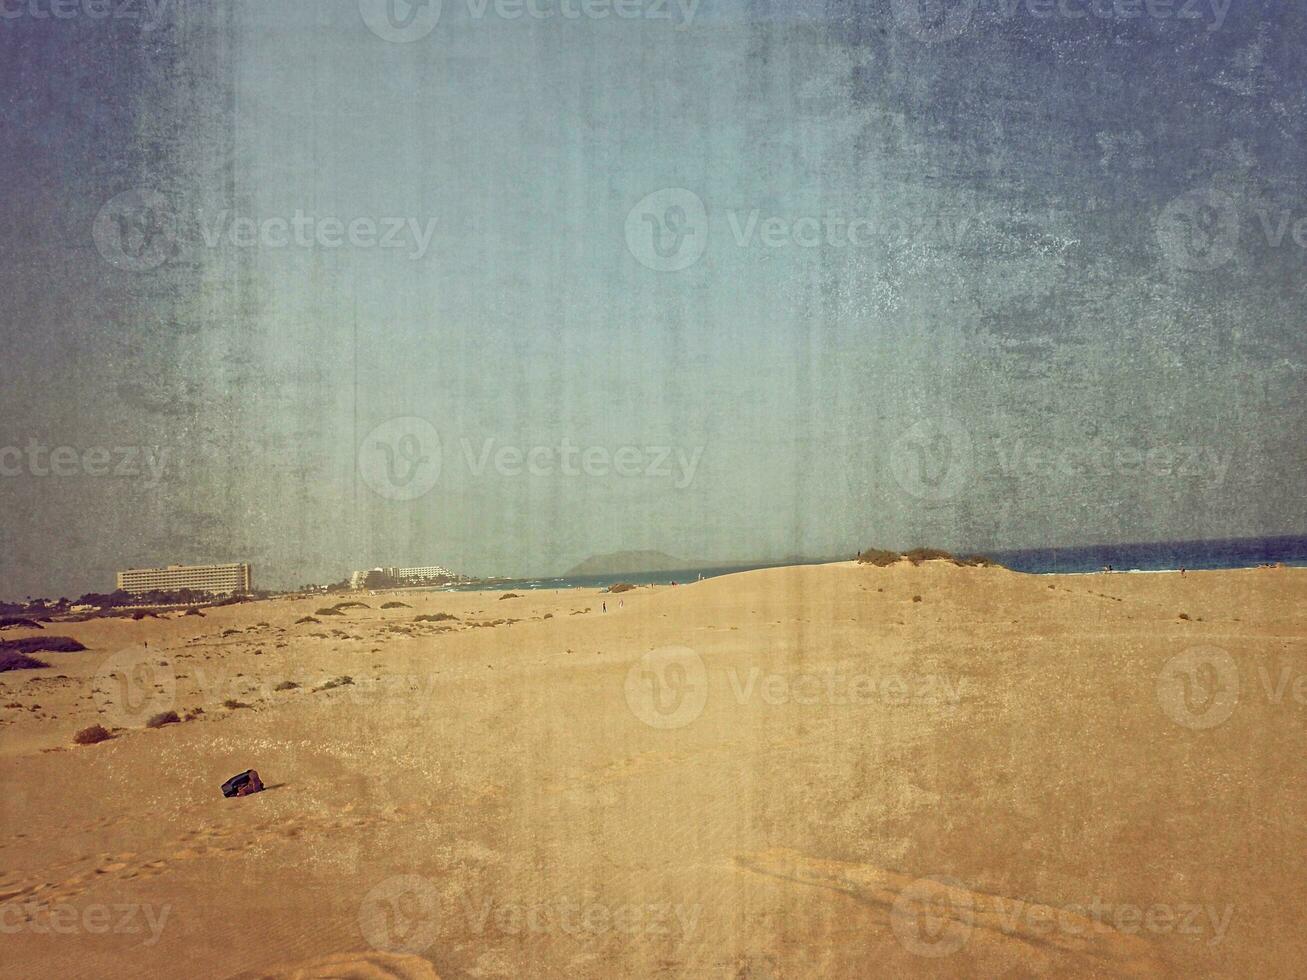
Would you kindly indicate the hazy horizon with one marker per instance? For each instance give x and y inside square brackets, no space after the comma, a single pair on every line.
[308,287]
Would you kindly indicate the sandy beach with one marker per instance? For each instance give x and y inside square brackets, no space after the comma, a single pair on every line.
[821,771]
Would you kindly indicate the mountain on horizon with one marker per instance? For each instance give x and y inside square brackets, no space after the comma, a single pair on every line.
[617,562]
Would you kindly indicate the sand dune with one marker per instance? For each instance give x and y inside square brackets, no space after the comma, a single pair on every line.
[825,771]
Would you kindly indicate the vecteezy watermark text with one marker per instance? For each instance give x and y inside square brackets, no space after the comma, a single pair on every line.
[935,917]
[1163,461]
[141,229]
[837,687]
[96,919]
[668,230]
[580,917]
[148,12]
[933,21]
[405,21]
[402,458]
[126,462]
[302,230]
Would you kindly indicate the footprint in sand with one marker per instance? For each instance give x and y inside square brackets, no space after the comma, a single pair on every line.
[936,917]
[349,966]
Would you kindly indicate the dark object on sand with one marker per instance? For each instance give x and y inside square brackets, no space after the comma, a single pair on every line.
[17,622]
[243,785]
[19,661]
[34,644]
[89,736]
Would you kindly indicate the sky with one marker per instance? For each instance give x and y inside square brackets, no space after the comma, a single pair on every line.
[498,286]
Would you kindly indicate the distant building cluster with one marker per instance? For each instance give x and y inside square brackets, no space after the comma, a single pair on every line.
[216,579]
[391,576]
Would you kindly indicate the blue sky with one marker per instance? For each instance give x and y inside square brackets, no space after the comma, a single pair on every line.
[989,277]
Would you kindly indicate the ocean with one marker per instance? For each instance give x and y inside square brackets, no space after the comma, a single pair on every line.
[1158,556]
[1151,557]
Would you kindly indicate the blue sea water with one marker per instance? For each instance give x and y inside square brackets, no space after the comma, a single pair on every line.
[1159,556]
[1151,557]
[603,581]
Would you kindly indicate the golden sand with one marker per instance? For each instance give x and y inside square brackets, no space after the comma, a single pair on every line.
[800,772]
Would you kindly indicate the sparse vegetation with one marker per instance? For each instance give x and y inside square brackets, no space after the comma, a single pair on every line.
[328,611]
[18,622]
[19,661]
[334,683]
[92,734]
[286,686]
[621,587]
[232,704]
[433,617]
[307,619]
[163,718]
[395,605]
[881,558]
[33,644]
[510,595]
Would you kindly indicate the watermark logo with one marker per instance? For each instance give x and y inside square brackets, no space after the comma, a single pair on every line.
[585,918]
[149,12]
[933,916]
[1208,464]
[835,230]
[837,688]
[675,463]
[933,21]
[97,919]
[667,687]
[667,231]
[301,230]
[1199,231]
[125,462]
[400,458]
[932,460]
[937,916]
[136,230]
[400,21]
[1199,688]
[400,915]
[132,685]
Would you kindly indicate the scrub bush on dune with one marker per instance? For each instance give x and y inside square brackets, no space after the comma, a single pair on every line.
[91,735]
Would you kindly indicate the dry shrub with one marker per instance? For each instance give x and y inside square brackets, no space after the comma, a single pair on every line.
[19,661]
[17,622]
[286,686]
[91,735]
[163,718]
[32,644]
[335,682]
[877,557]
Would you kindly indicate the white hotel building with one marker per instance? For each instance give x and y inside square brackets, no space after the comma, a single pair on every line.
[202,578]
